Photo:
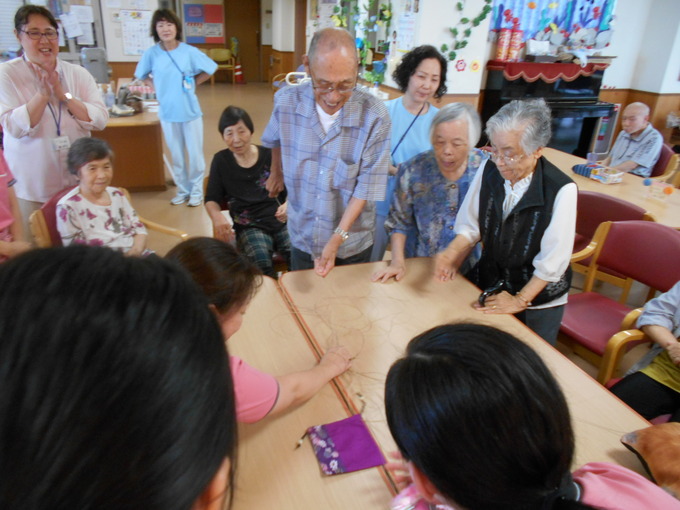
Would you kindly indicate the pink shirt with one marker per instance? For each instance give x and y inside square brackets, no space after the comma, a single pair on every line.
[613,487]
[40,169]
[256,392]
[6,180]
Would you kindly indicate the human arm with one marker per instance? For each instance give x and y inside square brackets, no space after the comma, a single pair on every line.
[216,194]
[223,229]
[282,212]
[274,182]
[447,262]
[298,387]
[68,226]
[326,262]
[201,78]
[18,244]
[397,266]
[660,321]
[642,158]
[138,245]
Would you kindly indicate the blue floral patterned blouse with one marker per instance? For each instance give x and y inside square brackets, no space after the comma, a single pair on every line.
[428,201]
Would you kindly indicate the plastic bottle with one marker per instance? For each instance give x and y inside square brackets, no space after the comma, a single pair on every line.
[110,98]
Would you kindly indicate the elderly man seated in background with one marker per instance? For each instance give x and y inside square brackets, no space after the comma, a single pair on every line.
[638,146]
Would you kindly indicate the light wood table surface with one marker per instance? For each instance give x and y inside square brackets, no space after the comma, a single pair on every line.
[376,321]
[631,189]
[271,473]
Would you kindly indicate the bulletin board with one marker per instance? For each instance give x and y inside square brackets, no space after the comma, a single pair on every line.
[127,28]
[204,23]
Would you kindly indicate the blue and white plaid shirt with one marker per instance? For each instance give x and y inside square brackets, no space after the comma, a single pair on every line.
[323,171]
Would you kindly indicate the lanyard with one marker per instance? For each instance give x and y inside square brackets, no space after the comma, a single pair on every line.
[173,60]
[57,121]
[407,130]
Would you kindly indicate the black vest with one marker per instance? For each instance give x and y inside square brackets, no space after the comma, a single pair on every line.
[509,246]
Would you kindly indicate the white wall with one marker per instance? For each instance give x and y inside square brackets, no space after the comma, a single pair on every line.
[283,25]
[631,19]
[659,58]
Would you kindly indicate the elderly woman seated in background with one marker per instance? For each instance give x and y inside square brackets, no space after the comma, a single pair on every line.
[421,76]
[93,212]
[116,389]
[431,186]
[523,210]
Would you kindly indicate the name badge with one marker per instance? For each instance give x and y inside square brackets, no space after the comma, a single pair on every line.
[61,143]
[188,83]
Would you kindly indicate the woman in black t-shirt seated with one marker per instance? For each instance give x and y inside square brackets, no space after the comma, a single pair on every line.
[237,178]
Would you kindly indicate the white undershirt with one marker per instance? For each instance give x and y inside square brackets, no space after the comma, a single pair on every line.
[557,243]
[326,119]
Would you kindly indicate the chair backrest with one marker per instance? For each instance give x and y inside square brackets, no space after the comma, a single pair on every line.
[643,250]
[667,161]
[594,208]
[220,54]
[49,213]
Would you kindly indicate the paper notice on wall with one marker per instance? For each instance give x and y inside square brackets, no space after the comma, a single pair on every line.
[84,13]
[87,39]
[135,25]
[71,25]
[406,30]
[213,29]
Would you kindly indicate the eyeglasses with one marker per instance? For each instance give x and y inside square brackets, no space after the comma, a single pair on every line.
[506,160]
[36,35]
[327,88]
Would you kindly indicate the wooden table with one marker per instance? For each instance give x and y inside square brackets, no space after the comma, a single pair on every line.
[271,472]
[137,142]
[631,189]
[376,321]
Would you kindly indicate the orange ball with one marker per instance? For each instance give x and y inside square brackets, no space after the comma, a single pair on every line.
[531,5]
[668,190]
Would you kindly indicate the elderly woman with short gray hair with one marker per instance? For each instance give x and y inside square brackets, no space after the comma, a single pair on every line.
[523,210]
[430,188]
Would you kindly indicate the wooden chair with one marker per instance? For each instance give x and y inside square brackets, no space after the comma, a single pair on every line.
[592,210]
[225,62]
[43,222]
[283,80]
[666,165]
[643,250]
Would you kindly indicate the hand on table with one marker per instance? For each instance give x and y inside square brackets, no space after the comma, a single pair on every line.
[394,270]
[444,266]
[503,302]
[338,359]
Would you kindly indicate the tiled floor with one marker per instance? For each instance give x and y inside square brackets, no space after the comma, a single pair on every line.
[257,100]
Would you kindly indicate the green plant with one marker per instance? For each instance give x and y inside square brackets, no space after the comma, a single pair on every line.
[463,29]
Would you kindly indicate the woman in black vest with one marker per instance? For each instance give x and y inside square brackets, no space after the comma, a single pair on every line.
[523,210]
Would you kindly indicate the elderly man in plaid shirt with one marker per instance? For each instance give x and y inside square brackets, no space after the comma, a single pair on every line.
[330,144]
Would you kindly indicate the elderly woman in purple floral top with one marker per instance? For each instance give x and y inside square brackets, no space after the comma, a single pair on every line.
[93,212]
[430,188]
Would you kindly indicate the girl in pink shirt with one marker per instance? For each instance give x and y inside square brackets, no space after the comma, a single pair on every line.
[229,281]
[12,241]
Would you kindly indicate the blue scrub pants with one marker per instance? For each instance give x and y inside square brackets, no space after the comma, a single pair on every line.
[187,172]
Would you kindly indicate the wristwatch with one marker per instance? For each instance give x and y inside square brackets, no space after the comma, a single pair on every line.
[342,233]
[68,96]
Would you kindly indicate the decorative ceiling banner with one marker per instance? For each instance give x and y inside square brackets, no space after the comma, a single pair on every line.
[569,23]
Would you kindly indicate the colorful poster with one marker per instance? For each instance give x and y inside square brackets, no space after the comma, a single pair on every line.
[204,24]
[135,28]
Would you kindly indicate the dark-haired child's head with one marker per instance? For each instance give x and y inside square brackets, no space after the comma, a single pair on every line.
[478,414]
[116,388]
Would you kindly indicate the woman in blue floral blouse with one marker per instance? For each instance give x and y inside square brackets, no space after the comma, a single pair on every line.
[431,186]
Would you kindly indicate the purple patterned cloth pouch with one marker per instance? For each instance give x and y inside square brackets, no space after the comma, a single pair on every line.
[345,446]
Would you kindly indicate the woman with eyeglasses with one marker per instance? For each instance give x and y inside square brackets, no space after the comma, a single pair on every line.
[523,210]
[176,69]
[45,105]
